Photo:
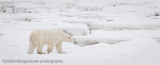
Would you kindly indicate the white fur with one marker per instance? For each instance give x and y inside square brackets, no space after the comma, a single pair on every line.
[53,38]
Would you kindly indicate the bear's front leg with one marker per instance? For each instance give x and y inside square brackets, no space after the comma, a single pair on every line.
[50,48]
[59,47]
[39,49]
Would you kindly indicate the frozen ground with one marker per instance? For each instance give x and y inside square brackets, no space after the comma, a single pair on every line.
[109,32]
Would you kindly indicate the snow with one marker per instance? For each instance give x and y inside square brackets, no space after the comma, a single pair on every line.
[134,52]
[108,32]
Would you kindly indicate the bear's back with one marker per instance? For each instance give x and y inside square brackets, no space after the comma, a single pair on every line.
[46,34]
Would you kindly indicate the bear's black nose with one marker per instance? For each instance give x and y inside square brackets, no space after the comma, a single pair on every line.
[75,42]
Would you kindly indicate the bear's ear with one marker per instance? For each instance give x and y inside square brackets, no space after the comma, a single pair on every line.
[70,34]
[67,32]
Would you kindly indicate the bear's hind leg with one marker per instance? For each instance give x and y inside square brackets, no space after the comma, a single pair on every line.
[31,48]
[39,49]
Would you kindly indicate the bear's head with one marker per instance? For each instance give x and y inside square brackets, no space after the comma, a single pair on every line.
[68,38]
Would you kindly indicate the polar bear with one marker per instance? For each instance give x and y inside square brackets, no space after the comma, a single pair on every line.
[53,38]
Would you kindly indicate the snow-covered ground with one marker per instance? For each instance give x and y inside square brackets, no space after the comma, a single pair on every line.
[108,32]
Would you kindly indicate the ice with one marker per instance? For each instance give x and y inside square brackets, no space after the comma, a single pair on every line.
[74,29]
[112,37]
[125,26]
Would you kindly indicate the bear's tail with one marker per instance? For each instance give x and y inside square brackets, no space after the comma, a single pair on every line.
[31,45]
[30,39]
